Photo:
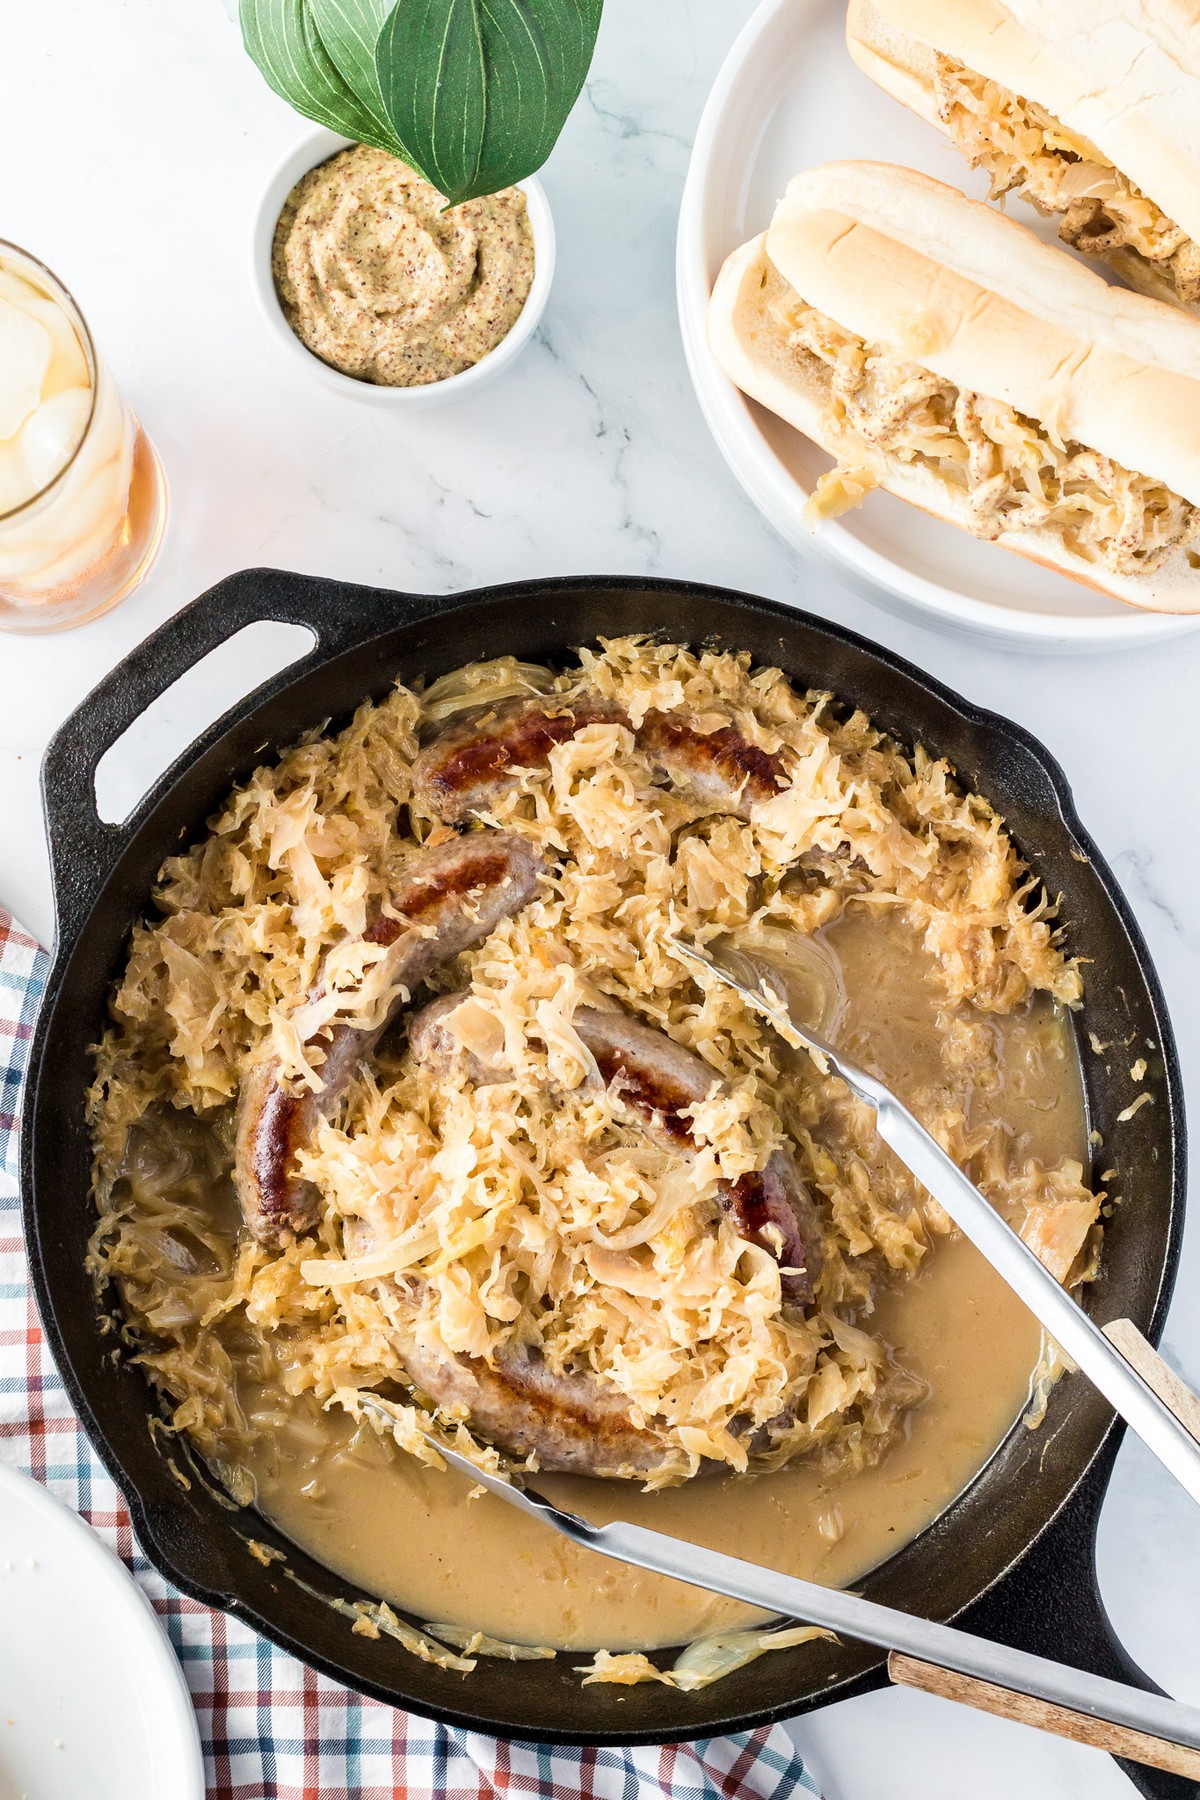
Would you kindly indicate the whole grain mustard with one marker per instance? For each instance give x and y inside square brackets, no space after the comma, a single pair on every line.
[380,279]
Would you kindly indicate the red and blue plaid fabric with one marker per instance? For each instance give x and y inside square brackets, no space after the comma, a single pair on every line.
[273,1729]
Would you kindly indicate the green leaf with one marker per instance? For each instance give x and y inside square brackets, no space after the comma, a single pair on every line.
[480,89]
[349,29]
[283,40]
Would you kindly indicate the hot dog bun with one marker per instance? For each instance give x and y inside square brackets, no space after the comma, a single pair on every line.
[1123,74]
[953,285]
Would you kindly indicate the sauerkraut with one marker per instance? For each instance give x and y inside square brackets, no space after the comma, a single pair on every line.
[529,1212]
[1015,473]
[1020,145]
[703,1662]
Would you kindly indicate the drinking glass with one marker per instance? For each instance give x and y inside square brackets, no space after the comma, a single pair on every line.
[83,498]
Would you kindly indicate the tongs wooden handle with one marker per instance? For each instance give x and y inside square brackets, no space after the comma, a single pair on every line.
[1158,1375]
[1144,1726]
[1044,1715]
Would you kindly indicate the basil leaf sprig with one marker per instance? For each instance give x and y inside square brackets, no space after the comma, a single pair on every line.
[282,38]
[472,93]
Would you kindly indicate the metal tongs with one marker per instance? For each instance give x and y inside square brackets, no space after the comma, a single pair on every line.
[1116,1358]
[1126,1721]
[1090,1709]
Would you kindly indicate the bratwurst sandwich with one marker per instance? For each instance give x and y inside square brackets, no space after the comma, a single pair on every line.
[938,350]
[1090,109]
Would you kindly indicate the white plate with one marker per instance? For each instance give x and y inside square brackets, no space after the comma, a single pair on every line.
[788,96]
[93,1705]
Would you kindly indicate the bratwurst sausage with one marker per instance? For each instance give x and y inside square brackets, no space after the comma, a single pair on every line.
[651,1076]
[653,1080]
[574,1423]
[450,899]
[472,764]
[578,1423]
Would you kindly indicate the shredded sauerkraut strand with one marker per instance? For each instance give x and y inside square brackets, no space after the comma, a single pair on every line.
[375,1618]
[1015,472]
[1022,146]
[424,1434]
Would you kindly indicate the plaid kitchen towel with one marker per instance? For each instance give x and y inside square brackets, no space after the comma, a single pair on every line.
[273,1729]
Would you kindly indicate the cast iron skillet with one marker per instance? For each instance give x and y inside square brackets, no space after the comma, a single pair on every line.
[1014,1554]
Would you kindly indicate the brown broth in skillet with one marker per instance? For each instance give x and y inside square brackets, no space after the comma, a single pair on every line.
[412,1536]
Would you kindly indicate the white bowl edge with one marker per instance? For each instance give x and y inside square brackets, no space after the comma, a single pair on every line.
[68,1546]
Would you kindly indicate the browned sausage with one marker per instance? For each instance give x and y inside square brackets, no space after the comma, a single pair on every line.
[654,1080]
[657,1080]
[723,768]
[575,1424]
[774,1209]
[578,1424]
[468,767]
[450,899]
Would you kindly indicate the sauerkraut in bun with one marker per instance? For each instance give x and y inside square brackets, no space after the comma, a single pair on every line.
[1089,109]
[938,350]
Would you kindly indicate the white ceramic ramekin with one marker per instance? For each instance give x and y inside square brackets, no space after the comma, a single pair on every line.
[316,148]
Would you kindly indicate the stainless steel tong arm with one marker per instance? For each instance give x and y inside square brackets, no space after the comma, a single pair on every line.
[849,1614]
[1163,1433]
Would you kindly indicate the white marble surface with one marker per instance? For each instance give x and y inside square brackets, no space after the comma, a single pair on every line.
[136,138]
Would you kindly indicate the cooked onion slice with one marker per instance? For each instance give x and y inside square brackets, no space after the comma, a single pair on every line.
[482,684]
[807,973]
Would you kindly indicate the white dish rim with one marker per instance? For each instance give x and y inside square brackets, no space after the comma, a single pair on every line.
[316,147]
[177,1719]
[776,492]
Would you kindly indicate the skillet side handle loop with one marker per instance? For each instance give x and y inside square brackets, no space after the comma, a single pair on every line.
[83,846]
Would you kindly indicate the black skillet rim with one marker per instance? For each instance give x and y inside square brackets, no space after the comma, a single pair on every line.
[982,719]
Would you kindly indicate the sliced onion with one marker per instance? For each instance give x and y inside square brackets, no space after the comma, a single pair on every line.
[809,975]
[709,1659]
[1087,181]
[394,1258]
[675,1190]
[483,684]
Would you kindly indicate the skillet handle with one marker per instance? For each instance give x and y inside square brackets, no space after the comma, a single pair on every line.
[1050,1604]
[83,847]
